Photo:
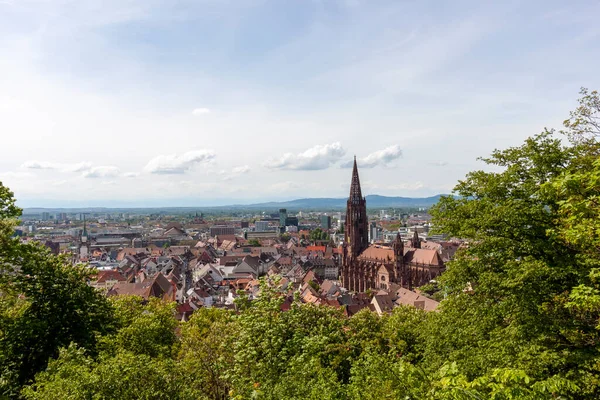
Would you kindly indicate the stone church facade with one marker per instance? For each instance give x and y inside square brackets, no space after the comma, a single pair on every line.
[366,266]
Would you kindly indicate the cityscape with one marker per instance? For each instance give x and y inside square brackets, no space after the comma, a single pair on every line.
[299,199]
[201,259]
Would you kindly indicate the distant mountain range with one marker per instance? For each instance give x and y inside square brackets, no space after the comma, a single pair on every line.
[373,201]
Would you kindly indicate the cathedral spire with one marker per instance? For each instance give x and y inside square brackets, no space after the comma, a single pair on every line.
[355,192]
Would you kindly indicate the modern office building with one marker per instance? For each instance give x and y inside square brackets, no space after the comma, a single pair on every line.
[261,226]
[282,216]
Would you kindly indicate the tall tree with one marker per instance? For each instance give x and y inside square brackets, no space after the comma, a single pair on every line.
[45,303]
[510,287]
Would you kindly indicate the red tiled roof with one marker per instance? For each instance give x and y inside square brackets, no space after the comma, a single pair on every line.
[110,275]
[316,248]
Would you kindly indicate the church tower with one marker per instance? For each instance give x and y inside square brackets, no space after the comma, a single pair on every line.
[356,229]
[356,233]
[401,270]
[84,244]
[415,242]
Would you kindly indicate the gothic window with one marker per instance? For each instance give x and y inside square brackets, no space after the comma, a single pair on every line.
[383,278]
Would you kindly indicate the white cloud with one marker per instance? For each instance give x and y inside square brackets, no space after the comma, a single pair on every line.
[80,167]
[76,167]
[16,175]
[241,169]
[234,172]
[201,111]
[380,157]
[317,157]
[105,171]
[439,163]
[131,175]
[178,164]
[38,165]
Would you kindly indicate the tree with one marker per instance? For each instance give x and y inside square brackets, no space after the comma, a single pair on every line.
[583,124]
[125,375]
[520,268]
[254,243]
[206,352]
[45,303]
[318,234]
[143,327]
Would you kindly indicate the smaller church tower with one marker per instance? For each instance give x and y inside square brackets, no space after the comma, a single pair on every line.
[84,243]
[401,270]
[415,242]
[398,247]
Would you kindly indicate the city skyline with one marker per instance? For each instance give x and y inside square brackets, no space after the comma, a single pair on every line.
[167,104]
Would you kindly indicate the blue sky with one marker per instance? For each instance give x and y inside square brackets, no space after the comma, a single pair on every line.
[201,102]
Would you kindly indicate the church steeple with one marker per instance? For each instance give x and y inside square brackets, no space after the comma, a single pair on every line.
[415,242]
[398,246]
[84,234]
[355,192]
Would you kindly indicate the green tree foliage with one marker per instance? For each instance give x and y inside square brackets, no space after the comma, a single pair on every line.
[254,243]
[522,291]
[285,237]
[318,234]
[125,375]
[144,327]
[206,352]
[45,304]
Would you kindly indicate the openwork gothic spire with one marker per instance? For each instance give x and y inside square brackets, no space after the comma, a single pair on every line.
[355,192]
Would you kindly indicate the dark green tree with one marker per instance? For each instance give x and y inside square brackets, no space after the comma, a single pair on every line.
[45,304]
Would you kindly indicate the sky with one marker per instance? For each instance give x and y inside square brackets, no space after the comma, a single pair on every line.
[212,102]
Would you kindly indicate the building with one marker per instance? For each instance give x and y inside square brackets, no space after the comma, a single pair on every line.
[291,221]
[261,226]
[376,267]
[261,235]
[218,230]
[45,216]
[325,222]
[373,232]
[282,217]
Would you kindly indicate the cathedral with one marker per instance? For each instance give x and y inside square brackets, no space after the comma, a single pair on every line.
[368,266]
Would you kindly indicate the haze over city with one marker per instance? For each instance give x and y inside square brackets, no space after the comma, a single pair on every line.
[161,103]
